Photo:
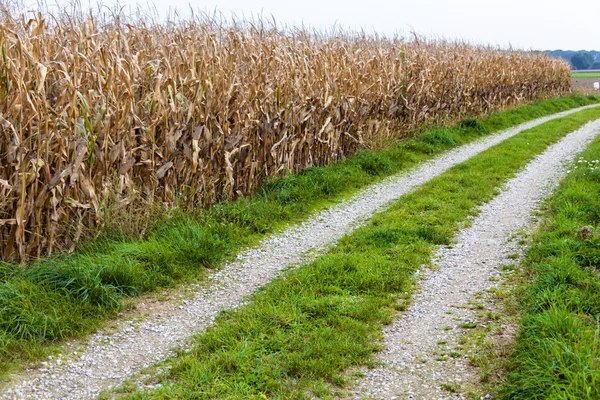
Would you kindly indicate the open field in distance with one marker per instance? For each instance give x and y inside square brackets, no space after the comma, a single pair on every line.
[585,85]
[586,75]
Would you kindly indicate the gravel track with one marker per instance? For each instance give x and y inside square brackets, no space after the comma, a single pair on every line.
[109,358]
[409,369]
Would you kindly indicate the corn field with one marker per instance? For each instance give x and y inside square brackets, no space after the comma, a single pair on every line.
[98,113]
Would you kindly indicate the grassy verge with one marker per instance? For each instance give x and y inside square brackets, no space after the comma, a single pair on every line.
[71,295]
[301,332]
[557,352]
[586,75]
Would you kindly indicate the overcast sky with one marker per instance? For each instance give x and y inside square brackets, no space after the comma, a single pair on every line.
[524,24]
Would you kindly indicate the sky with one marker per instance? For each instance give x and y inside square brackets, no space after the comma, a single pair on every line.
[522,24]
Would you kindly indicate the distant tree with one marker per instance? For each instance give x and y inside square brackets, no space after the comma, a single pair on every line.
[565,54]
[582,60]
[595,65]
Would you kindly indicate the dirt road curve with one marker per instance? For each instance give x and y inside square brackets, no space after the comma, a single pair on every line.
[110,357]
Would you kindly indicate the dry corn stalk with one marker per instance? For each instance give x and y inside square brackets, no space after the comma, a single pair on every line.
[189,113]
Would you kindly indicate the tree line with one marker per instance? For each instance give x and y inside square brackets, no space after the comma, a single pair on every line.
[581,59]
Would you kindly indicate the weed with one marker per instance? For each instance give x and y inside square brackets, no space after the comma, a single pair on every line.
[451,387]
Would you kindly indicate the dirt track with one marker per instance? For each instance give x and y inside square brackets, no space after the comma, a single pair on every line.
[110,357]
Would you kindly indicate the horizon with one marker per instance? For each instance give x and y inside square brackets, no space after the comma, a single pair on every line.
[537,26]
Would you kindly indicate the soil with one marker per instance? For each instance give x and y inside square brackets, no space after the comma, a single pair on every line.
[585,85]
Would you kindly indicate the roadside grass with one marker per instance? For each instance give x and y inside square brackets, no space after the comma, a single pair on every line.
[586,75]
[557,351]
[71,295]
[298,335]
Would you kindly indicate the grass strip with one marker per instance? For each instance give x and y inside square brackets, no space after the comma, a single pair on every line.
[70,295]
[557,351]
[586,75]
[302,331]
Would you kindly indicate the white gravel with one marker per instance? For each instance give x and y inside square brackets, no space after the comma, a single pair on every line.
[409,369]
[108,358]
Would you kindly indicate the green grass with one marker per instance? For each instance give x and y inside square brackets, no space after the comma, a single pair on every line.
[67,296]
[301,332]
[557,352]
[586,75]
